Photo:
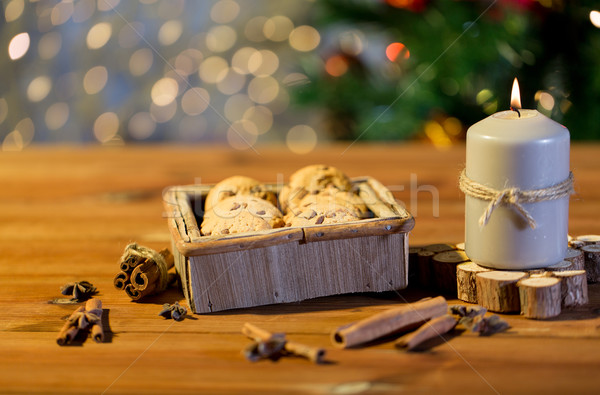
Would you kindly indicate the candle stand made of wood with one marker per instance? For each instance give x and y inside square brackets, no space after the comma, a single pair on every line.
[537,294]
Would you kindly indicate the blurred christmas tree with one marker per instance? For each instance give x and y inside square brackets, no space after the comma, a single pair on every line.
[392,69]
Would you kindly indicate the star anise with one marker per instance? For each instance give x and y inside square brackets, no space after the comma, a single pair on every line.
[80,290]
[174,311]
[272,349]
[473,318]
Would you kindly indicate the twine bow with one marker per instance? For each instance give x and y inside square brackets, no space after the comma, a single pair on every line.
[513,197]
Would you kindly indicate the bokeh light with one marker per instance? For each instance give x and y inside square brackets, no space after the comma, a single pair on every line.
[241,59]
[453,126]
[95,80]
[39,88]
[304,38]
[336,65]
[140,62]
[14,10]
[224,11]
[188,61]
[49,45]
[352,42]
[545,100]
[57,115]
[263,90]
[263,63]
[26,130]
[595,18]
[397,51]
[170,32]
[84,9]
[213,69]
[301,139]
[194,101]
[162,114]
[254,29]
[98,35]
[106,127]
[164,91]
[236,106]
[278,28]
[436,134]
[61,12]
[221,38]
[232,83]
[141,126]
[261,117]
[18,46]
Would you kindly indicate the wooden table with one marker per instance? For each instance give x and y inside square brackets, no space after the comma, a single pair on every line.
[67,213]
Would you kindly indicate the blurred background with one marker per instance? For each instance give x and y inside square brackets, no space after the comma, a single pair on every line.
[297,73]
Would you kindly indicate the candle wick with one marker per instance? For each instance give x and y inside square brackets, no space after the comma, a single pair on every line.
[517,110]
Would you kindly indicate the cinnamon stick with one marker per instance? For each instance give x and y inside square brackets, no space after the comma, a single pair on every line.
[128,264]
[144,274]
[435,327]
[260,335]
[133,293]
[121,280]
[388,322]
[70,328]
[94,306]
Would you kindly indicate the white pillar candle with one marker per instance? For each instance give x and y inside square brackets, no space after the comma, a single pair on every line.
[528,152]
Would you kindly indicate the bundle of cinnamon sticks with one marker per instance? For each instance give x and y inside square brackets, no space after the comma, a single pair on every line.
[144,271]
[83,318]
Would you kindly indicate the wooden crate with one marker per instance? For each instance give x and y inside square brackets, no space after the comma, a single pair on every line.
[288,264]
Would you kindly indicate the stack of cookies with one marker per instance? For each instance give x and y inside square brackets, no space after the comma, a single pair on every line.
[315,195]
[240,204]
[320,194]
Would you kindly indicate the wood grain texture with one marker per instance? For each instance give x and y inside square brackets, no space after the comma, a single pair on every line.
[66,214]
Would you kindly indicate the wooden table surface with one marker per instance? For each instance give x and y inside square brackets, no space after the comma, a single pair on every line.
[66,214]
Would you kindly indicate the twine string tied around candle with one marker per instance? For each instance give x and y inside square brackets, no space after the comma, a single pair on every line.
[513,197]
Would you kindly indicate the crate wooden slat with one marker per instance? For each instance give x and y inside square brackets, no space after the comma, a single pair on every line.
[288,264]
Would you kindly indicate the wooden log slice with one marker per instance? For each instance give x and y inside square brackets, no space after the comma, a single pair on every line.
[576,258]
[588,239]
[574,289]
[560,266]
[460,246]
[413,265]
[466,280]
[497,290]
[576,243]
[443,268]
[540,297]
[592,262]
[424,258]
[439,247]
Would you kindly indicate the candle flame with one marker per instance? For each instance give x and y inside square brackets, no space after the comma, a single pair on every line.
[515,96]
